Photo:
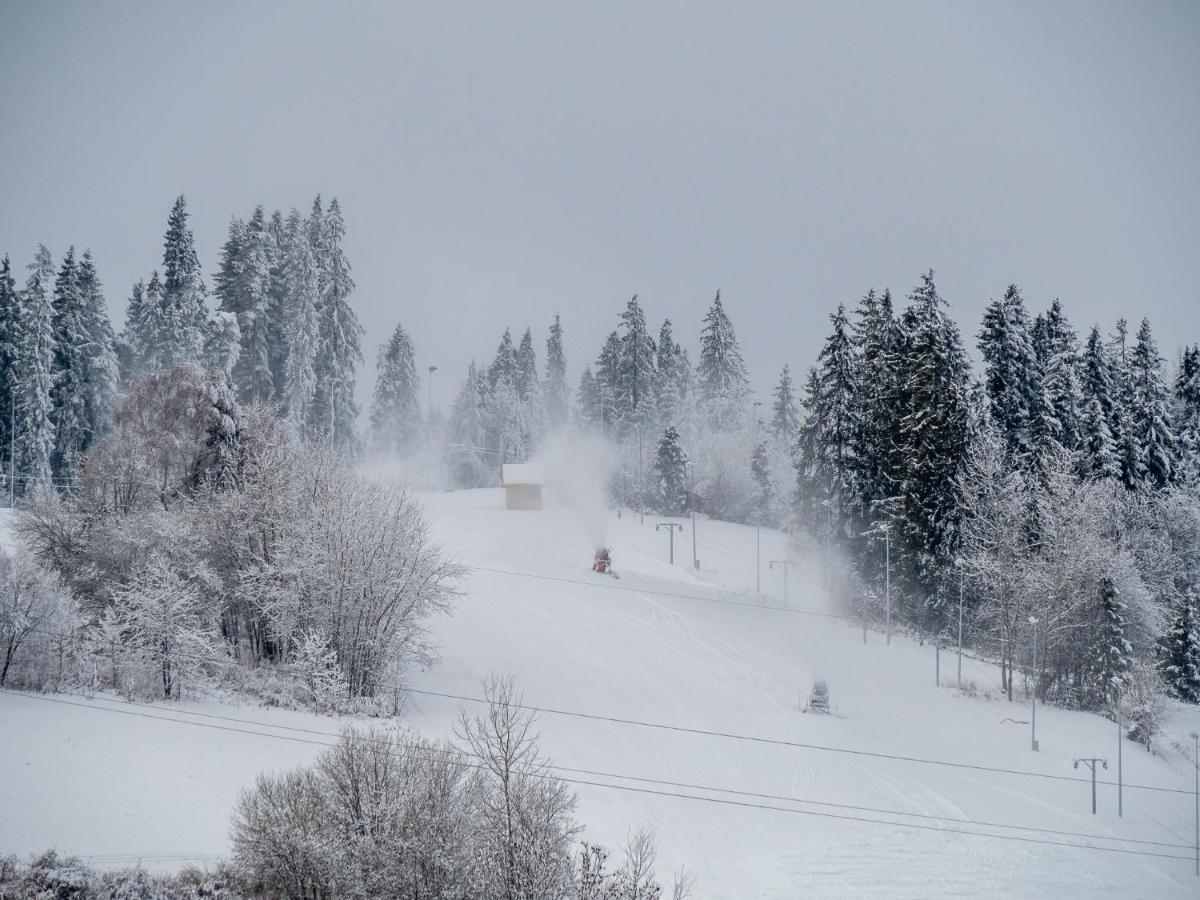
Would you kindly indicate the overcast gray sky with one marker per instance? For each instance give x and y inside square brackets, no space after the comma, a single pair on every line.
[500,161]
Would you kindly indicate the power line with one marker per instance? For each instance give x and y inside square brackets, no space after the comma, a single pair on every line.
[650,791]
[727,735]
[685,785]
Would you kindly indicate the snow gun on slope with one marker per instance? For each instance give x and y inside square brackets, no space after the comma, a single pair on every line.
[603,562]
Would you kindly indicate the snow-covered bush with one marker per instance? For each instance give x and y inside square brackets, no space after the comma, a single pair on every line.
[163,623]
[37,619]
[52,876]
[395,815]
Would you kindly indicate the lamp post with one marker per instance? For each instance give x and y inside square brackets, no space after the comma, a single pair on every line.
[432,369]
[1091,762]
[692,508]
[1033,717]
[671,527]
[962,572]
[887,577]
[786,563]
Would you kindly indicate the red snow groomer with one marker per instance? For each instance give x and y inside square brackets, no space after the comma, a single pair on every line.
[603,562]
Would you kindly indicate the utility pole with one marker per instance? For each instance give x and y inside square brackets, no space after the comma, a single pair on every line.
[432,369]
[1120,767]
[1033,717]
[671,527]
[786,563]
[937,664]
[1196,766]
[692,507]
[1090,762]
[758,560]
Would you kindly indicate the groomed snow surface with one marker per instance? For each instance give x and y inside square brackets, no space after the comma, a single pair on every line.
[120,783]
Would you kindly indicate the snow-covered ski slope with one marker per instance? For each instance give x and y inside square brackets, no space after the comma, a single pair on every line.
[650,648]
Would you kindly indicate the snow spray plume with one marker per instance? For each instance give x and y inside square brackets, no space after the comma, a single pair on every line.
[577,469]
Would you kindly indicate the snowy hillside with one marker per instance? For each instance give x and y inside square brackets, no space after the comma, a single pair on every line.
[652,648]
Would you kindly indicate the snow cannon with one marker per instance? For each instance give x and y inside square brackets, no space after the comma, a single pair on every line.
[603,562]
[818,698]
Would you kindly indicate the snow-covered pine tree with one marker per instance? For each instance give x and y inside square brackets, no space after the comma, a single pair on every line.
[1012,376]
[529,390]
[526,358]
[467,455]
[338,333]
[670,474]
[277,307]
[764,487]
[935,433]
[1179,649]
[1187,414]
[504,366]
[1099,414]
[243,287]
[608,384]
[785,418]
[830,430]
[880,345]
[672,374]
[396,410]
[184,313]
[1061,390]
[99,353]
[556,394]
[721,371]
[1150,412]
[1133,470]
[35,354]
[11,335]
[129,351]
[587,401]
[300,326]
[68,394]
[1109,653]
[222,343]
[637,369]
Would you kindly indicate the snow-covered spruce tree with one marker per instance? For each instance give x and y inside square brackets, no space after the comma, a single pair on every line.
[67,393]
[467,454]
[764,511]
[829,431]
[338,332]
[507,425]
[785,418]
[1099,419]
[721,373]
[555,393]
[504,366]
[35,354]
[1012,376]
[11,335]
[880,345]
[608,384]
[1133,470]
[184,314]
[669,365]
[529,390]
[1150,412]
[300,325]
[1187,414]
[282,235]
[1179,649]
[243,288]
[1061,390]
[101,370]
[222,343]
[395,409]
[637,365]
[1109,654]
[587,401]
[670,474]
[934,433]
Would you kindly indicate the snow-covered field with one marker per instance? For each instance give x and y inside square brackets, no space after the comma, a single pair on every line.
[120,786]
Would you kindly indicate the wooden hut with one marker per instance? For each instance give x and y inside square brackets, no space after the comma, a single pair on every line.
[523,485]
